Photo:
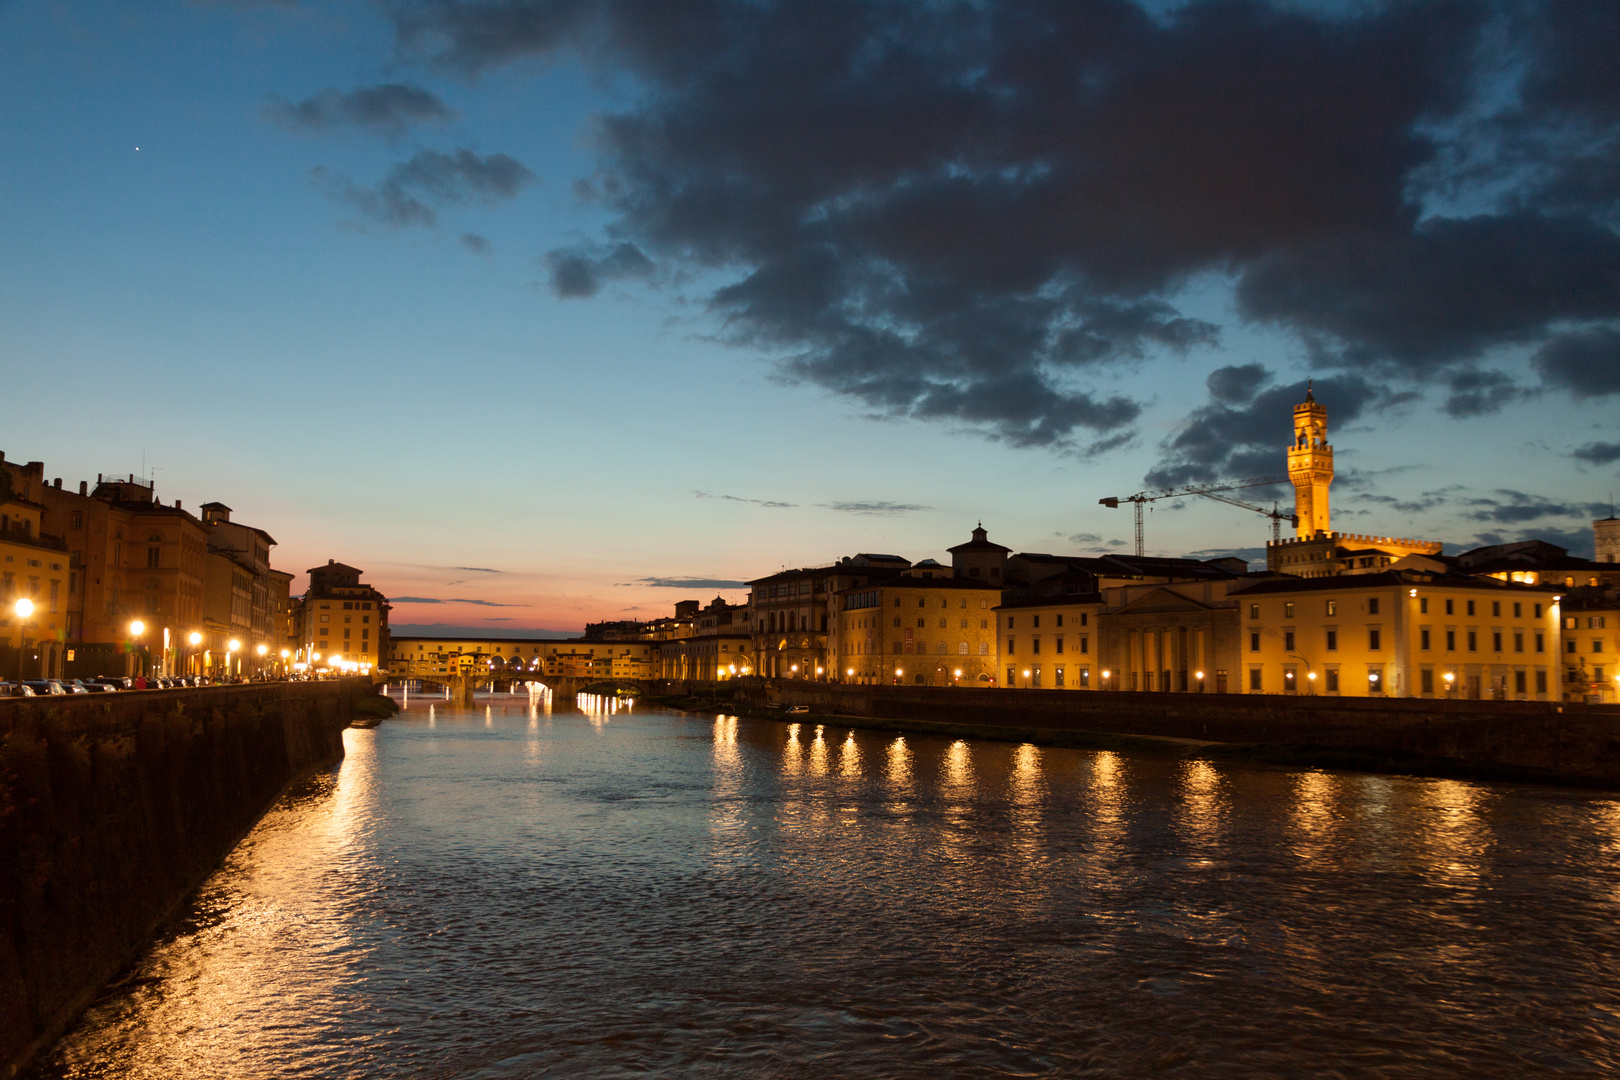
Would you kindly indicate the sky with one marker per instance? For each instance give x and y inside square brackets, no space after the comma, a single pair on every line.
[544,312]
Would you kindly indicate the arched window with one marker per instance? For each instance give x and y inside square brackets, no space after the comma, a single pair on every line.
[961,648]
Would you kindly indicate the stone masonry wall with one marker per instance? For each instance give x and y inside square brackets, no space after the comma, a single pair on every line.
[1567,741]
[114,808]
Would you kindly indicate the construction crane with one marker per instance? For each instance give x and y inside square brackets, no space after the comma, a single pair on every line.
[1210,491]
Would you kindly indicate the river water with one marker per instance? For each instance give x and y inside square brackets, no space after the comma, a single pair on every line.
[522,890]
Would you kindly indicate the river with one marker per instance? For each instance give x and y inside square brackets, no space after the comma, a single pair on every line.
[524,890]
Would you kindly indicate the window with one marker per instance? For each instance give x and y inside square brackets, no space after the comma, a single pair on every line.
[922,622]
[1597,644]
[1085,676]
[897,620]
[1085,643]
[1423,606]
[1060,618]
[1009,622]
[1254,678]
[78,521]
[961,648]
[1288,611]
[1254,611]
[1594,622]
[922,603]
[984,648]
[1470,607]
[1083,618]
[1496,641]
[1451,641]
[325,618]
[1060,644]
[1451,606]
[1541,643]
[1536,609]
[1333,680]
[1541,682]
[1332,607]
[1288,640]
[1010,649]
[1473,641]
[1035,645]
[1423,639]
[1037,622]
[1372,605]
[1332,641]
[1496,608]
[1519,682]
[984,624]
[1254,641]
[152,556]
[1518,610]
[1426,678]
[944,624]
[1057,677]
[1374,642]
[1569,646]
[1012,676]
[1518,641]
[941,648]
[348,605]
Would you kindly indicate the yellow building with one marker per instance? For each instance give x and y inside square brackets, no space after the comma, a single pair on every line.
[1591,657]
[33,566]
[341,619]
[915,630]
[1051,644]
[1400,633]
[1316,550]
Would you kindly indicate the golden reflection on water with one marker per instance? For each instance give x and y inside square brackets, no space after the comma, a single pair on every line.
[726,822]
[958,770]
[1312,811]
[1201,807]
[1108,798]
[792,753]
[899,768]
[1460,838]
[849,759]
[818,754]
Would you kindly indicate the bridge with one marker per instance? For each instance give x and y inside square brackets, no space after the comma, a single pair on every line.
[463,687]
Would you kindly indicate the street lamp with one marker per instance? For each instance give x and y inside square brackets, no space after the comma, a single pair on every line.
[233,647]
[24,608]
[136,629]
[262,649]
[194,639]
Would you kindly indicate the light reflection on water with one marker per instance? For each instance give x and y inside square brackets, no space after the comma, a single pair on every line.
[533,888]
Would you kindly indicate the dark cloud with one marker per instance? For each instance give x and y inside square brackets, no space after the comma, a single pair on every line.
[1597,453]
[688,583]
[768,503]
[875,509]
[1577,541]
[1586,364]
[581,271]
[387,109]
[1254,556]
[478,245]
[413,191]
[446,600]
[1224,441]
[1093,540]
[972,212]
[1508,507]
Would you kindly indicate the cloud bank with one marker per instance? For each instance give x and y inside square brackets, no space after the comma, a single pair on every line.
[982,214]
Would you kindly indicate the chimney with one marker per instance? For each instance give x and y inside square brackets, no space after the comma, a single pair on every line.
[84,487]
[177,504]
[58,483]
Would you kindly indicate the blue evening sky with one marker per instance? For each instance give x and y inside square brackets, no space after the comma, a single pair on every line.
[178,288]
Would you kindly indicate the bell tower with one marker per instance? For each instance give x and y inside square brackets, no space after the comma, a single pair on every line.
[1310,467]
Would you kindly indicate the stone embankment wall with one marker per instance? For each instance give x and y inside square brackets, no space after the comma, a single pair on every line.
[114,808]
[1562,741]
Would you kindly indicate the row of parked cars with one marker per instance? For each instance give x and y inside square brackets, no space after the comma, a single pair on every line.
[101,684]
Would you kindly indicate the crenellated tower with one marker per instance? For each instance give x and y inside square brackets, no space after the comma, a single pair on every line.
[1310,467]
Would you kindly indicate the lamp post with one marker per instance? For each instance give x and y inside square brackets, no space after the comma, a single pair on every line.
[24,608]
[194,639]
[284,655]
[232,648]
[136,629]
[262,650]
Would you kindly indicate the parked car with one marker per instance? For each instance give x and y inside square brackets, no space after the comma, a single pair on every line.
[73,686]
[11,689]
[44,687]
[108,681]
[94,687]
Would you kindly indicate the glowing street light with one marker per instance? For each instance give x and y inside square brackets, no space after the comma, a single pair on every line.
[24,607]
[137,628]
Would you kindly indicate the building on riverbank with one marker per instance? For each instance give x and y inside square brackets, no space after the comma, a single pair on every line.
[1591,644]
[33,566]
[340,618]
[1400,633]
[916,630]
